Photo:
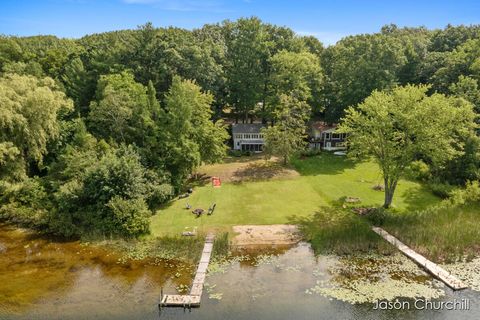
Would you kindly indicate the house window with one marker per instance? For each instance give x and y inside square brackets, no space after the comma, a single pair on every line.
[238,136]
[246,136]
[261,136]
[327,136]
[335,136]
[255,136]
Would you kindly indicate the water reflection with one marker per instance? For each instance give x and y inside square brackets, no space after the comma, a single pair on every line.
[41,279]
[45,279]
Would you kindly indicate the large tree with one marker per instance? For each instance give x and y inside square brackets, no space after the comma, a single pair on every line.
[396,126]
[296,74]
[29,113]
[287,136]
[121,111]
[188,135]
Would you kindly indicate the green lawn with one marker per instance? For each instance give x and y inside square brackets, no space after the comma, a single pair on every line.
[323,180]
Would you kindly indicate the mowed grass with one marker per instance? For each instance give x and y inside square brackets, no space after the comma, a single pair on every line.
[323,181]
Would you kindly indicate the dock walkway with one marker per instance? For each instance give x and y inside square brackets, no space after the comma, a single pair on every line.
[431,267]
[193,298]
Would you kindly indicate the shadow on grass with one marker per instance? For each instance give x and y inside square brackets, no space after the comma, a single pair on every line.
[325,163]
[419,198]
[198,180]
[243,159]
[339,231]
[264,170]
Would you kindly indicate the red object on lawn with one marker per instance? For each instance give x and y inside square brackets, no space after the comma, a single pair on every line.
[216,182]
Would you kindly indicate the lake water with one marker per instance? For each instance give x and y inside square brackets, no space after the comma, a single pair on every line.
[42,279]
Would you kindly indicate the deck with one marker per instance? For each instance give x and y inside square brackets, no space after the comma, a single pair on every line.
[437,271]
[192,300]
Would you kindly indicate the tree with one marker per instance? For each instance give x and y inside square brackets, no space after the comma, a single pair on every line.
[29,113]
[464,60]
[356,66]
[467,88]
[246,55]
[104,190]
[295,74]
[189,135]
[396,126]
[79,84]
[121,110]
[287,136]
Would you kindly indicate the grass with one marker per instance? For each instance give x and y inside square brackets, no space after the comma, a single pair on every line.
[322,181]
[442,234]
[339,231]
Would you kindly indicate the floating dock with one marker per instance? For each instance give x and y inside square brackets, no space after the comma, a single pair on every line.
[192,300]
[434,269]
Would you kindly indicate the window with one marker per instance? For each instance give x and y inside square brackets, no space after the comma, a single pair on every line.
[261,136]
[254,136]
[335,136]
[327,136]
[246,136]
[238,136]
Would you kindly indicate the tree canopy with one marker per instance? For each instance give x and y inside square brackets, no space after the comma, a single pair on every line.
[156,101]
[396,126]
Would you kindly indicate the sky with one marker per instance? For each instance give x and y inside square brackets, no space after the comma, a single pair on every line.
[328,20]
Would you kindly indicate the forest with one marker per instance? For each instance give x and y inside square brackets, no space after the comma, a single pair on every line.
[98,132]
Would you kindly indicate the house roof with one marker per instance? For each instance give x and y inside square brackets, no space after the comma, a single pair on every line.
[322,126]
[247,127]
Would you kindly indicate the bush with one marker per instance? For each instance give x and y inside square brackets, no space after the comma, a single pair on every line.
[129,218]
[108,196]
[26,203]
[442,190]
[235,153]
[377,216]
[418,170]
[470,194]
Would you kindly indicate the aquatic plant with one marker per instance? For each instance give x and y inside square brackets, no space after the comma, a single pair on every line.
[369,278]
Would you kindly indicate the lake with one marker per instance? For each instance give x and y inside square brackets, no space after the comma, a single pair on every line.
[47,279]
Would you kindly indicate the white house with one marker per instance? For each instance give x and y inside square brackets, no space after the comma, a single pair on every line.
[248,136]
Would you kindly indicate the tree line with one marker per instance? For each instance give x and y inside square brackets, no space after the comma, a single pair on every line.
[97,132]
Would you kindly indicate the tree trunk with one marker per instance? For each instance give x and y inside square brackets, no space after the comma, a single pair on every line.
[390,187]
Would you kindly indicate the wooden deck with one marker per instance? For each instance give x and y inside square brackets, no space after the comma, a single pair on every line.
[434,269]
[192,300]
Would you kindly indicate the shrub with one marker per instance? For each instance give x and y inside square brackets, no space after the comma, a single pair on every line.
[26,203]
[418,170]
[471,193]
[377,216]
[235,153]
[129,218]
[441,190]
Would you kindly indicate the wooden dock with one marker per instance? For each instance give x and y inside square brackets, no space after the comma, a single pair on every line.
[437,271]
[192,300]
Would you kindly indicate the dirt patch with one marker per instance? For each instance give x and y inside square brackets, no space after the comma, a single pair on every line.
[248,169]
[275,234]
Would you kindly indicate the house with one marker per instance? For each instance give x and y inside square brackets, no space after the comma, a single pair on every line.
[324,136]
[248,136]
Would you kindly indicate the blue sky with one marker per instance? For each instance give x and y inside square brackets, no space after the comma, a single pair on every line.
[327,20]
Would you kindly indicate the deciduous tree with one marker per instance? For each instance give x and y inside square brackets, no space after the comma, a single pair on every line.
[395,126]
